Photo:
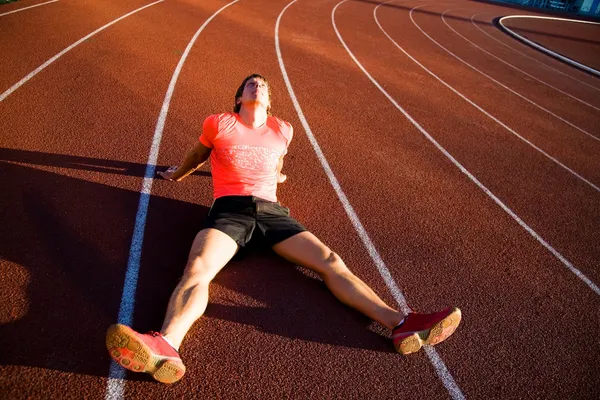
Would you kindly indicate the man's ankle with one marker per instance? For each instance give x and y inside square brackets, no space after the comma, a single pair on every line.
[171,342]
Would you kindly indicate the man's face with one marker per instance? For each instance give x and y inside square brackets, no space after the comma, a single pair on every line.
[256,90]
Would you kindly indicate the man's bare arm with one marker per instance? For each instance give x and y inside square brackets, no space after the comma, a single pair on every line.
[192,161]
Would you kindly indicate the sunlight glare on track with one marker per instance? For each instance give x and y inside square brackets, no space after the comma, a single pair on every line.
[27,8]
[71,47]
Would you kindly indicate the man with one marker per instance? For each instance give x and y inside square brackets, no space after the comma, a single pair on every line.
[246,149]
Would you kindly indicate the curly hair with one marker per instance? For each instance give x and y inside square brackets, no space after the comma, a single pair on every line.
[238,94]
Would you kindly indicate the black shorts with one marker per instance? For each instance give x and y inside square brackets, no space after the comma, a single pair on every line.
[242,217]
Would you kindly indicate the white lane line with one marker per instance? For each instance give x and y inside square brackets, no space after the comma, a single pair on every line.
[529,230]
[116,384]
[362,233]
[434,358]
[525,55]
[554,19]
[27,8]
[77,43]
[494,118]
[544,49]
[437,362]
[520,70]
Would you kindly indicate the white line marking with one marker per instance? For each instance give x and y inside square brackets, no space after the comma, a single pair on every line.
[27,8]
[560,257]
[525,55]
[116,384]
[545,50]
[494,118]
[434,358]
[56,57]
[520,70]
[553,18]
[383,270]
[437,362]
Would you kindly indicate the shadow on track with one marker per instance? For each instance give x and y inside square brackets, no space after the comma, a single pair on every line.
[64,245]
[80,163]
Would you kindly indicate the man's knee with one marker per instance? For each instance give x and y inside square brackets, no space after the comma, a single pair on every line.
[198,271]
[332,264]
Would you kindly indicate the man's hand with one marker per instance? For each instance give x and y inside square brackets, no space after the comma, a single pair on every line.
[168,174]
[192,161]
[280,177]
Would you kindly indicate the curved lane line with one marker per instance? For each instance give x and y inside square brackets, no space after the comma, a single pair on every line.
[435,359]
[116,384]
[520,70]
[77,43]
[362,233]
[494,118]
[544,49]
[26,8]
[531,58]
[537,237]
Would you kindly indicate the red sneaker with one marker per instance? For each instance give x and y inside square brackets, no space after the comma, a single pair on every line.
[420,329]
[148,353]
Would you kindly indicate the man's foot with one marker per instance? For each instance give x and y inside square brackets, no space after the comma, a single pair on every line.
[419,329]
[148,353]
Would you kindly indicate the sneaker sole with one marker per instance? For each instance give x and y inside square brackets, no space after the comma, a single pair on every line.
[432,336]
[134,355]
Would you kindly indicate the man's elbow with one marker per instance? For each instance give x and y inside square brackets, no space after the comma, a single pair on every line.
[200,155]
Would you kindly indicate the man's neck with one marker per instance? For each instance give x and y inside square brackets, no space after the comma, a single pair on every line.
[254,117]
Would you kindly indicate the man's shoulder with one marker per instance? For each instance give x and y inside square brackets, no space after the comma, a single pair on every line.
[222,121]
[284,126]
[222,117]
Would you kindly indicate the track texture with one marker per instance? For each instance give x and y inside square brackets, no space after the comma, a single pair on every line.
[580,43]
[75,141]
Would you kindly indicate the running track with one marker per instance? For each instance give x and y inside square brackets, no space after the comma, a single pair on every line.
[75,142]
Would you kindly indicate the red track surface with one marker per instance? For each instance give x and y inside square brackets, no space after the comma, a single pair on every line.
[575,40]
[73,150]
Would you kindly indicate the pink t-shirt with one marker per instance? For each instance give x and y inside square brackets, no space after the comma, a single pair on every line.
[244,160]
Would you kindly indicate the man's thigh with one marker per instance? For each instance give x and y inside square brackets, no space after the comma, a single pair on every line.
[210,252]
[306,250]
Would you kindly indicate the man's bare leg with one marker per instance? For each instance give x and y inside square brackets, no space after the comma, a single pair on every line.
[306,250]
[210,252]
